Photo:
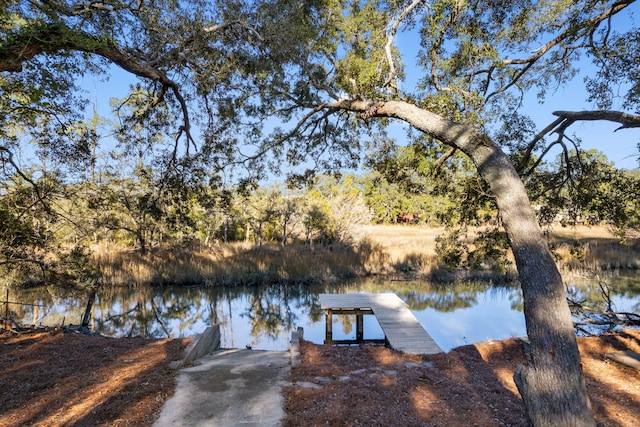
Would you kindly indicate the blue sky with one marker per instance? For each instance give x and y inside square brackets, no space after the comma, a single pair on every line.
[620,147]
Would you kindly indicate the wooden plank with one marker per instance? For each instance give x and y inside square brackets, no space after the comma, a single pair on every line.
[402,330]
[364,341]
[352,311]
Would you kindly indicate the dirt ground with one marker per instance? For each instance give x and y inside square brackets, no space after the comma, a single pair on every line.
[71,379]
[470,385]
[64,379]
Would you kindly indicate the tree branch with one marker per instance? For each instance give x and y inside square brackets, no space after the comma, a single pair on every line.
[53,37]
[531,146]
[7,156]
[626,120]
[39,263]
[292,133]
[562,123]
[436,47]
[570,32]
[440,161]
[224,25]
[391,78]
[78,8]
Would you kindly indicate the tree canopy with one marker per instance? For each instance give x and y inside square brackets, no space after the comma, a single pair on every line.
[223,83]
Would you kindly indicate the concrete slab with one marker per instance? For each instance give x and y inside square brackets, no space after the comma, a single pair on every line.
[205,343]
[229,388]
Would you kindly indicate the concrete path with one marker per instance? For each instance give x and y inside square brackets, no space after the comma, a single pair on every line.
[229,388]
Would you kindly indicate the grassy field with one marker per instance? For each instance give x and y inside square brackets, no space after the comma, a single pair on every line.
[397,250]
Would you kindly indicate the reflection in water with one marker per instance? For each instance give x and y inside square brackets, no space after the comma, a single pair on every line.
[263,317]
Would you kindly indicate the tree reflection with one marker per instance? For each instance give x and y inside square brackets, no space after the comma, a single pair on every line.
[144,312]
[264,312]
[269,311]
[272,309]
[446,297]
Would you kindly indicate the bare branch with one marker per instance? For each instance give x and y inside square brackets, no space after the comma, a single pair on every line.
[78,8]
[391,78]
[569,33]
[7,156]
[224,25]
[302,123]
[437,46]
[532,145]
[559,126]
[446,156]
[563,122]
[97,5]
[626,120]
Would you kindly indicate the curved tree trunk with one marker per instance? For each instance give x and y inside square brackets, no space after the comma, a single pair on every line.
[550,382]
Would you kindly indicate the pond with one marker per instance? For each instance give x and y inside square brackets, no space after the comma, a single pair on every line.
[263,317]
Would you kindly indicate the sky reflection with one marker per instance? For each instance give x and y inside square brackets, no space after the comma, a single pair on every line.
[263,318]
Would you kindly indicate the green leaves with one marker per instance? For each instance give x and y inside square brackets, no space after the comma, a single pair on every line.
[617,72]
[588,189]
[420,178]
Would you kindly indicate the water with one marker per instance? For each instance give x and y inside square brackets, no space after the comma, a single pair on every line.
[263,317]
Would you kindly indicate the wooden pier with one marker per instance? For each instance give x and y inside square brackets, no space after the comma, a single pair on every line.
[402,330]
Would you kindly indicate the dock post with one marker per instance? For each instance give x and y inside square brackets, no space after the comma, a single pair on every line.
[328,339]
[359,327]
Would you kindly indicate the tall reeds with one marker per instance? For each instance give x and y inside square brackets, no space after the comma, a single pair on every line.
[384,250]
[234,264]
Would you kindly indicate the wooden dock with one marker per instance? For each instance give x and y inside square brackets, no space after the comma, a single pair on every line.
[402,330]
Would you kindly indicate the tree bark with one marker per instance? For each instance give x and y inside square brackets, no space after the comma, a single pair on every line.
[626,120]
[550,382]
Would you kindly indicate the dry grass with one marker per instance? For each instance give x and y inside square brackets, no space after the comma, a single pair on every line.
[405,248]
[234,264]
[396,239]
[384,249]
[584,251]
[578,250]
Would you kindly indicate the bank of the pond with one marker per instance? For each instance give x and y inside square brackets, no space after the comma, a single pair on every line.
[383,250]
[470,385]
[262,317]
[401,251]
[56,379]
[61,379]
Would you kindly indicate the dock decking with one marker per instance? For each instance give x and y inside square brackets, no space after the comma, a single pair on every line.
[402,330]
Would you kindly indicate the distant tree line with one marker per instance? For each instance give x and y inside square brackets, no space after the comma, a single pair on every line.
[569,190]
[142,209]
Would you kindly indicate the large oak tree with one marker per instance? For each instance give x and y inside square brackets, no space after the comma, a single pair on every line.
[478,60]
[325,74]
